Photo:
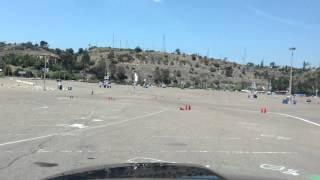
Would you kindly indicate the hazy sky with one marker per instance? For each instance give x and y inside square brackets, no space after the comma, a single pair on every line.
[224,28]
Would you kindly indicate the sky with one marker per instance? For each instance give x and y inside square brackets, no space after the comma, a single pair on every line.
[241,30]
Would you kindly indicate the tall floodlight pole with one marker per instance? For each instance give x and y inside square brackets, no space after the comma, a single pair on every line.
[112,40]
[164,43]
[44,73]
[292,49]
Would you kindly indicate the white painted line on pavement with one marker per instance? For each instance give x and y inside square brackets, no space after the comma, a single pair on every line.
[88,128]
[123,121]
[299,118]
[38,108]
[161,151]
[136,160]
[80,126]
[26,140]
[283,138]
[281,114]
[201,137]
[267,135]
[159,128]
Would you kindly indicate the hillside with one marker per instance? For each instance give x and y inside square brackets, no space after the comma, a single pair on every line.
[173,69]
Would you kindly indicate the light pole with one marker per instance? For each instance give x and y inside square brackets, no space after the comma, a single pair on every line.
[292,49]
[44,73]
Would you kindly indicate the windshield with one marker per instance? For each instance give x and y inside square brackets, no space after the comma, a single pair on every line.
[231,86]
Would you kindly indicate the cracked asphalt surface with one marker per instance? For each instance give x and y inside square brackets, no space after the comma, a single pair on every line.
[44,133]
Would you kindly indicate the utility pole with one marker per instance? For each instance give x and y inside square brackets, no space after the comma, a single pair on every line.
[112,40]
[164,43]
[292,49]
[244,57]
[105,68]
[44,73]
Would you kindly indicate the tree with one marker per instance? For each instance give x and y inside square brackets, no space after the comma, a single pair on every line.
[178,51]
[44,44]
[85,59]
[99,69]
[26,60]
[58,51]
[157,75]
[70,51]
[206,62]
[38,64]
[229,71]
[165,61]
[137,49]
[28,45]
[272,64]
[305,65]
[16,72]
[121,73]
[212,69]
[111,55]
[178,73]
[2,63]
[250,64]
[281,83]
[194,57]
[7,70]
[165,76]
[68,61]
[113,70]
[80,50]
[262,64]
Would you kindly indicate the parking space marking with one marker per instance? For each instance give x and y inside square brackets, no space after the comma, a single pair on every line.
[281,114]
[143,159]
[299,118]
[282,169]
[26,140]
[83,129]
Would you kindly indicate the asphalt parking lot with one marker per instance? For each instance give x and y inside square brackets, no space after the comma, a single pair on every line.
[47,132]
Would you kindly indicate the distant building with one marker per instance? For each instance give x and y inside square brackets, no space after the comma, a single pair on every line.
[52,58]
